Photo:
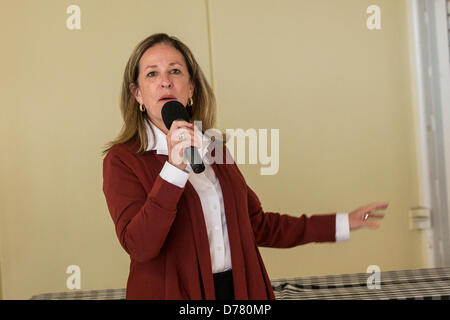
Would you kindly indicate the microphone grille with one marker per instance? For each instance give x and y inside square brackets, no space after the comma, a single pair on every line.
[174,110]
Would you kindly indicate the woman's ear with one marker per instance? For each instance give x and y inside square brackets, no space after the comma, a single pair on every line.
[136,92]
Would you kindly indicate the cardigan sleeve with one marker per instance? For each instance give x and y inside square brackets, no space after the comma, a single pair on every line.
[277,230]
[272,229]
[142,221]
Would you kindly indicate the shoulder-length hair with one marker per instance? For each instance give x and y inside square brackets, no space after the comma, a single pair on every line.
[134,128]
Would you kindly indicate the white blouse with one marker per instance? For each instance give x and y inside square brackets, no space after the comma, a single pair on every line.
[209,191]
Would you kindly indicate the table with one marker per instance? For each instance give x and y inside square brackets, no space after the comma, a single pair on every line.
[418,284]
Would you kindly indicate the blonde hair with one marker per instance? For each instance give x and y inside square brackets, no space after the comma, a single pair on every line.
[203,109]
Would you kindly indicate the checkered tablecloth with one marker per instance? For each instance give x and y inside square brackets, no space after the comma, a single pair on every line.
[403,284]
[394,285]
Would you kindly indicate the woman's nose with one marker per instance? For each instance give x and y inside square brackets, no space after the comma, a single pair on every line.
[165,82]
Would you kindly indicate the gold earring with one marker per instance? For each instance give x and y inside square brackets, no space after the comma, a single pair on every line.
[191,102]
[141,108]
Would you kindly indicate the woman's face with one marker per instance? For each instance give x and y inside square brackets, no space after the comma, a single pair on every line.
[162,73]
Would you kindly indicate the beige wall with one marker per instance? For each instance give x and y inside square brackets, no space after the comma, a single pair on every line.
[338,93]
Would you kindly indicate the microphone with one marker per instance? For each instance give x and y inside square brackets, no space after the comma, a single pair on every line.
[174,110]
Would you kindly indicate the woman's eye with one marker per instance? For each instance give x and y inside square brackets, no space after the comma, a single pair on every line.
[152,74]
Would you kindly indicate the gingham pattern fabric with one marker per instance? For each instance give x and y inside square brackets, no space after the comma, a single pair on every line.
[416,284]
[394,285]
[107,294]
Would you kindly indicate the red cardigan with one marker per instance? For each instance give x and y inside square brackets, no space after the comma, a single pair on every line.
[161,226]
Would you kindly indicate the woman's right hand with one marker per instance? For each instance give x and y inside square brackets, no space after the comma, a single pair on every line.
[176,146]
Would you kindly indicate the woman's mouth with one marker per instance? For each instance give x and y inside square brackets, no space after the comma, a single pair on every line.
[167,98]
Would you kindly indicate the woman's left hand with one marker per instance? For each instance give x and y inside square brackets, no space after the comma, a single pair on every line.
[361,217]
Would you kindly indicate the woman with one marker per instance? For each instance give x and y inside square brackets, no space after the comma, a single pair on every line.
[192,236]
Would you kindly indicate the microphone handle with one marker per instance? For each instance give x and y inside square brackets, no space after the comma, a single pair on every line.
[193,156]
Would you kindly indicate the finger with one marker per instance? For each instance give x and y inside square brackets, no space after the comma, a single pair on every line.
[175,135]
[176,132]
[378,205]
[371,225]
[196,143]
[376,215]
[183,128]
[187,142]
[181,123]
